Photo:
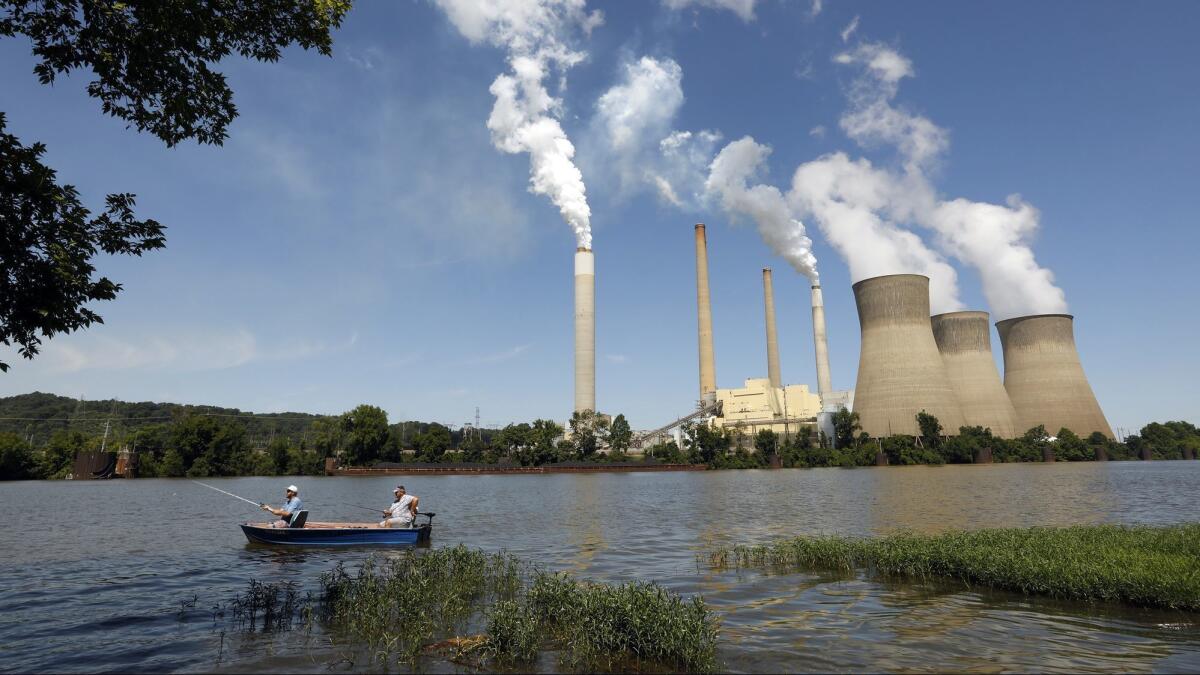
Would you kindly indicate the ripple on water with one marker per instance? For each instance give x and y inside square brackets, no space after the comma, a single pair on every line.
[103,592]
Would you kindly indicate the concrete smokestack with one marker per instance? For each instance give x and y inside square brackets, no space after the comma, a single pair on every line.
[708,369]
[900,372]
[965,341]
[585,330]
[1044,377]
[821,346]
[772,337]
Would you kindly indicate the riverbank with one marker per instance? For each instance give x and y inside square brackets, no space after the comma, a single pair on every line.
[1141,566]
[332,468]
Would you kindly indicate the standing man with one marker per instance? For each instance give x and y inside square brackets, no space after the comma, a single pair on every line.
[289,509]
[402,511]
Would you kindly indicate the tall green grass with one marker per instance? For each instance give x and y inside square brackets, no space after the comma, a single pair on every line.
[483,610]
[1143,566]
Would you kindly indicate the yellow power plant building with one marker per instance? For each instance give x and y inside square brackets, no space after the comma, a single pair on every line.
[759,406]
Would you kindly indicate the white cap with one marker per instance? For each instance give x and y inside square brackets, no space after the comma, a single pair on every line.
[293,488]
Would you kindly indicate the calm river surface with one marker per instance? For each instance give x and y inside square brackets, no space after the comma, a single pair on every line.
[92,573]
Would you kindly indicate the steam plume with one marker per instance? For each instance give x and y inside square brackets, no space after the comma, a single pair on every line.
[729,180]
[993,238]
[535,34]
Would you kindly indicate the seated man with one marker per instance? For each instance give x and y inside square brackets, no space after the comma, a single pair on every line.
[289,508]
[402,511]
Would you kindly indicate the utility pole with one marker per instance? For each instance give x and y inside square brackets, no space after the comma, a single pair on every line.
[104,443]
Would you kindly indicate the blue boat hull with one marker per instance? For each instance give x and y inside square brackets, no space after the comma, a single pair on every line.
[335,536]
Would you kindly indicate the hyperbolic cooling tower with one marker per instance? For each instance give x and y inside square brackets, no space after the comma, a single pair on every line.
[708,370]
[965,341]
[900,372]
[772,336]
[585,330]
[821,347]
[1044,377]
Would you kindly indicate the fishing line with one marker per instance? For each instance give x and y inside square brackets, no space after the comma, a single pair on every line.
[227,493]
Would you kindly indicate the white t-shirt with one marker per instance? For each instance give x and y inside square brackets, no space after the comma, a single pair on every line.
[402,508]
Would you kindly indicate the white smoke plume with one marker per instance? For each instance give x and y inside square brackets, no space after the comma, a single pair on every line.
[729,180]
[993,238]
[536,34]
[849,201]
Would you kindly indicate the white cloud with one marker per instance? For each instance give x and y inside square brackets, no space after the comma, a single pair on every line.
[743,8]
[617,358]
[872,118]
[815,8]
[183,351]
[496,357]
[849,29]
[817,131]
[632,135]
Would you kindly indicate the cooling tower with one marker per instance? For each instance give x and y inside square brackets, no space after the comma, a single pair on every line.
[965,341]
[585,330]
[708,370]
[1044,377]
[821,347]
[900,372]
[772,337]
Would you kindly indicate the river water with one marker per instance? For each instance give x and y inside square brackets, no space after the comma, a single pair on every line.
[93,573]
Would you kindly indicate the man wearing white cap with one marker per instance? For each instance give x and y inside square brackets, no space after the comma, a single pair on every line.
[402,511]
[290,508]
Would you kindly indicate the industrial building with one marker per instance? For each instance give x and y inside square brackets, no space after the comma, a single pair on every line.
[758,406]
[900,370]
[965,342]
[763,403]
[1044,376]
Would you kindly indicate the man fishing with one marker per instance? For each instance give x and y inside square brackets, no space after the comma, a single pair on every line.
[289,508]
[402,511]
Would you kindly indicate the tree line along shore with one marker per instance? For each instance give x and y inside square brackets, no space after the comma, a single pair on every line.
[41,433]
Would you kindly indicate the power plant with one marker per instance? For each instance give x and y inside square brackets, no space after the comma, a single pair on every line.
[585,330]
[1044,377]
[909,362]
[900,371]
[964,340]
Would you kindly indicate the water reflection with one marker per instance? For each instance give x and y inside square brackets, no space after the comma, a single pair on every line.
[934,499]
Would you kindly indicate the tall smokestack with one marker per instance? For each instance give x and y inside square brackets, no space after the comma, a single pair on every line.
[965,341]
[821,346]
[1044,377]
[708,369]
[772,337]
[585,330]
[900,371]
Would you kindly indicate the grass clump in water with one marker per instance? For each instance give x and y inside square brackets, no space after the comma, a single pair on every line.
[483,609]
[1143,566]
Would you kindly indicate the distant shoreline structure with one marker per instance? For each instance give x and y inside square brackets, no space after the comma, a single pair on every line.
[333,468]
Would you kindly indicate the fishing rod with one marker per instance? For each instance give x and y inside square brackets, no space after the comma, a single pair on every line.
[365,508]
[259,504]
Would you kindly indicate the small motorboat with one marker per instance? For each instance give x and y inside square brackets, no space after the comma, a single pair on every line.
[303,533]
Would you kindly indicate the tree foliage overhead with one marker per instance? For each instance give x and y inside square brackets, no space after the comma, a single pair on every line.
[152,61]
[48,240]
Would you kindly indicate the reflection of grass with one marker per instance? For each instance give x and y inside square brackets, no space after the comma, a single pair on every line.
[432,601]
[1144,566]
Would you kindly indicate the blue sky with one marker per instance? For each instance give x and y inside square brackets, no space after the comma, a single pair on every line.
[359,238]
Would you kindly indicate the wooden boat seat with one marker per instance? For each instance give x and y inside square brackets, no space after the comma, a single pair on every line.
[298,519]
